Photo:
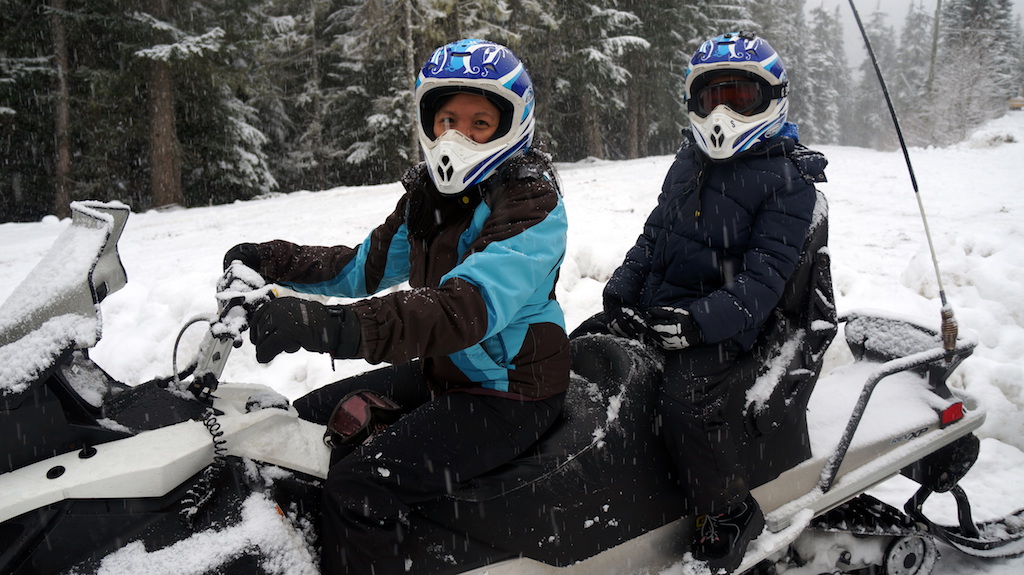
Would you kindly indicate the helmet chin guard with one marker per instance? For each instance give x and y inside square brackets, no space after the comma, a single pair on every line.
[484,68]
[724,133]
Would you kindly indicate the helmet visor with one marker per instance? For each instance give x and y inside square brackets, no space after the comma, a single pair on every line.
[742,96]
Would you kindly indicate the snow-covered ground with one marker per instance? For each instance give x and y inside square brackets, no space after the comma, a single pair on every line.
[973,194]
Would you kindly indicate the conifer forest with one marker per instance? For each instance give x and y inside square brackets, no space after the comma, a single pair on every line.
[160,103]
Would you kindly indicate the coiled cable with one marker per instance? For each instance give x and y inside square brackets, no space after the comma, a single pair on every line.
[200,494]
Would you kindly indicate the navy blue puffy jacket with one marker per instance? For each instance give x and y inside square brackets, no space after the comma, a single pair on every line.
[724,237]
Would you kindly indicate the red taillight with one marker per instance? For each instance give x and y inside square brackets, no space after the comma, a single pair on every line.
[951,414]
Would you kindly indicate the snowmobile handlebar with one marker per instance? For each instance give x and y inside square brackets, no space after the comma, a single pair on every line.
[240,290]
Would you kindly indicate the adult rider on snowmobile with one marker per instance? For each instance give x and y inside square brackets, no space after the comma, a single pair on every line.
[479,353]
[709,267]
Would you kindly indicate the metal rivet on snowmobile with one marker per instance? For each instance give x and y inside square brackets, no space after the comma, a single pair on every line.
[55,472]
[87,452]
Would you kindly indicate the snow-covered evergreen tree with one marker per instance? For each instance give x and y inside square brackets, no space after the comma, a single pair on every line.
[595,40]
[870,123]
[979,66]
[310,94]
[210,47]
[293,95]
[913,67]
[376,66]
[457,19]
[828,80]
[26,112]
[782,23]
[729,16]
[987,27]
[655,113]
[531,28]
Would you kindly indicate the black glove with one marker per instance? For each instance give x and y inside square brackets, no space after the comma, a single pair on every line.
[241,284]
[672,328]
[625,321]
[288,323]
[248,254]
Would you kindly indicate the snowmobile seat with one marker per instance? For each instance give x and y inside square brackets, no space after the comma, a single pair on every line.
[773,381]
[603,372]
[604,449]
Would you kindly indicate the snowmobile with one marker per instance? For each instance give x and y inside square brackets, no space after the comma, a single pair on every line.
[90,465]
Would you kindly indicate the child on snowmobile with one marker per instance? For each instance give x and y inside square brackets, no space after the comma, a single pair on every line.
[709,267]
[479,353]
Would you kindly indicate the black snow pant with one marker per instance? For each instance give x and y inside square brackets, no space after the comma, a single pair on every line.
[438,443]
[696,431]
[699,438]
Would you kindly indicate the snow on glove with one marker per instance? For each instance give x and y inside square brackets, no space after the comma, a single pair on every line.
[672,328]
[240,290]
[626,322]
[288,323]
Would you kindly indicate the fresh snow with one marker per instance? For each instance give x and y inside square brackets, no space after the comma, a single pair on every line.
[973,193]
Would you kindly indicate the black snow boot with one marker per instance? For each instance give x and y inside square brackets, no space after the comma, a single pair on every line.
[721,539]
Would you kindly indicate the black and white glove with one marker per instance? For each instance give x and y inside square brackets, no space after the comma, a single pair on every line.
[672,328]
[288,323]
[625,321]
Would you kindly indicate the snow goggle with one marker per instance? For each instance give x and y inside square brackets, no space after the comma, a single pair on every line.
[359,416]
[746,97]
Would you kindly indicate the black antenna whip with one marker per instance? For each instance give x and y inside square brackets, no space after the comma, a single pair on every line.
[949,325]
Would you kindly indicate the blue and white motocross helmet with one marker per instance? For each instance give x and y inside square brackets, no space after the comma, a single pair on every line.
[479,67]
[736,94]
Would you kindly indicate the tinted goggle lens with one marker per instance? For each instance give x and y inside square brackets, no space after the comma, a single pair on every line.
[742,96]
[350,416]
[353,414]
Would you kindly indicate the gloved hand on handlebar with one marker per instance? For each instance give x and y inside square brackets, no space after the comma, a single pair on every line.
[242,278]
[248,254]
[288,323]
[240,290]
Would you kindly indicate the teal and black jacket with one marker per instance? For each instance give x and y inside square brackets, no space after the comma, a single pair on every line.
[481,313]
